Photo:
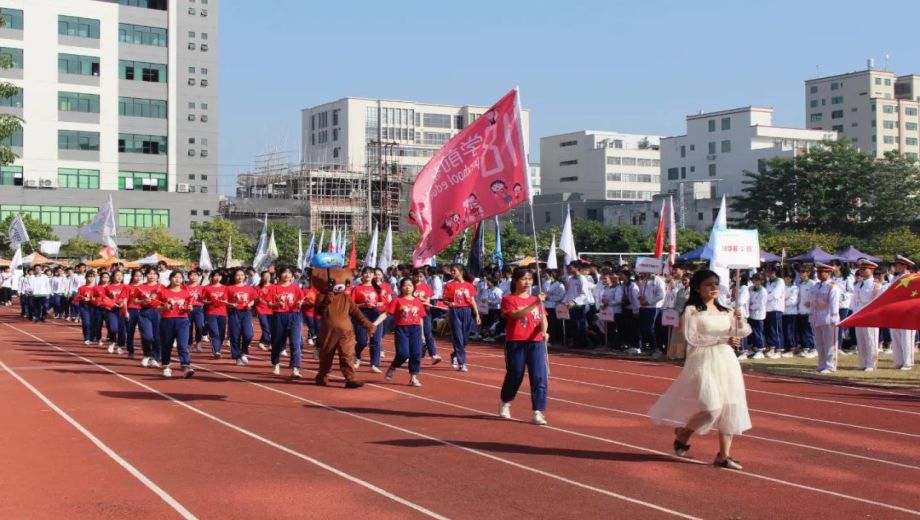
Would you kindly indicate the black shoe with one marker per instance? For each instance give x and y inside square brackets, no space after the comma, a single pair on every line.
[354,384]
[727,463]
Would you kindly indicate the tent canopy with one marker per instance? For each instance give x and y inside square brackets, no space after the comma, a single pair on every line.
[815,255]
[692,256]
[851,254]
[108,262]
[40,259]
[769,257]
[156,258]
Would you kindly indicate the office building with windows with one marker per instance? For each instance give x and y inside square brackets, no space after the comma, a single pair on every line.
[117,97]
[710,159]
[876,110]
[600,165]
[533,178]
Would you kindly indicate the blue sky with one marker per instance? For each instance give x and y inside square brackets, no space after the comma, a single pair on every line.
[637,67]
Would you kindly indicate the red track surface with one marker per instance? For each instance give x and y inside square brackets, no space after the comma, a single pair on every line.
[240,443]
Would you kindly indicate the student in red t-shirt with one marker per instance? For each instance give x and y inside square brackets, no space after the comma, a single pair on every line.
[408,312]
[197,330]
[264,311]
[116,300]
[87,307]
[285,299]
[134,311]
[101,303]
[368,296]
[214,297]
[460,298]
[525,344]
[146,295]
[175,303]
[310,317]
[241,298]
[423,292]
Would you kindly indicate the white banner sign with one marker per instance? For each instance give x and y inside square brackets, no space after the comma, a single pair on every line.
[670,318]
[649,265]
[49,247]
[606,314]
[736,249]
[562,311]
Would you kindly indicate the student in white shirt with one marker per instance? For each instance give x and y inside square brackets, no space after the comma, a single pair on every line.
[41,291]
[790,311]
[555,293]
[776,305]
[577,298]
[25,293]
[758,314]
[651,301]
[804,331]
[6,286]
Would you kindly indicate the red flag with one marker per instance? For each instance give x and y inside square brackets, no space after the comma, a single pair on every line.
[659,237]
[353,257]
[481,172]
[896,308]
[672,235]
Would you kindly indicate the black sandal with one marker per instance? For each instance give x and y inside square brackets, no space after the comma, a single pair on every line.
[680,449]
[727,463]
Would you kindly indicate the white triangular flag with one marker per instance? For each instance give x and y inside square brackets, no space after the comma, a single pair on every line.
[386,256]
[204,259]
[567,240]
[551,262]
[370,259]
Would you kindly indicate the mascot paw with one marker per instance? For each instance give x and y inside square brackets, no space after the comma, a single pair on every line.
[354,384]
[321,381]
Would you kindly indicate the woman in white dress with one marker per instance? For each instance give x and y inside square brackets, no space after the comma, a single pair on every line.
[709,393]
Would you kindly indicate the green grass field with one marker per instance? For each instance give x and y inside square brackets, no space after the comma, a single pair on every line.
[884,375]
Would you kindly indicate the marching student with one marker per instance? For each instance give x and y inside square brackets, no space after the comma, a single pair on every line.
[651,300]
[102,303]
[867,288]
[214,297]
[41,291]
[310,318]
[526,331]
[85,297]
[175,302]
[424,293]
[241,298]
[285,299]
[790,311]
[58,287]
[757,308]
[116,295]
[264,311]
[902,350]
[134,310]
[6,286]
[460,298]
[196,313]
[709,392]
[408,312]
[25,293]
[368,297]
[146,295]
[824,314]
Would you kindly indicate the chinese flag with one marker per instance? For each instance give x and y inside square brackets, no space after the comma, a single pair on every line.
[659,237]
[896,308]
[353,257]
[481,172]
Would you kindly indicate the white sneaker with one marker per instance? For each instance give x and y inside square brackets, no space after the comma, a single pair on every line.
[505,411]
[633,351]
[464,369]
[906,368]
[284,353]
[311,342]
[240,362]
[101,344]
[145,362]
[245,359]
[188,372]
[206,338]
[167,372]
[758,355]
[389,375]
[198,347]
[262,346]
[357,363]
[111,348]
[154,363]
[375,370]
[413,381]
[295,373]
[538,418]
[787,354]
[435,359]
[454,364]
[742,356]
[825,371]
[383,354]
[774,355]
[869,369]
[276,369]
[87,342]
[118,350]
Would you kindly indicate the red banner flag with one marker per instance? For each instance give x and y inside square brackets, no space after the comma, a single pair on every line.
[481,172]
[659,237]
[672,234]
[896,308]
[353,257]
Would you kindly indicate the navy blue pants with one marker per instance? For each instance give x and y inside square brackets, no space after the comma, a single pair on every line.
[626,329]
[845,337]
[39,307]
[313,324]
[288,330]
[117,325]
[86,321]
[803,331]
[196,322]
[461,324]
[25,305]
[217,331]
[790,338]
[240,325]
[884,336]
[98,318]
[773,330]
[134,316]
[532,355]
[756,337]
[647,318]
[362,338]
[408,348]
[74,308]
[430,347]
[149,321]
[174,329]
[265,323]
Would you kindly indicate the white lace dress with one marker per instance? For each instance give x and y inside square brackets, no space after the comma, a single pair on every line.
[711,380]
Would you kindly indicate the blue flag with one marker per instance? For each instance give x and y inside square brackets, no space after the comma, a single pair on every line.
[497,256]
[474,264]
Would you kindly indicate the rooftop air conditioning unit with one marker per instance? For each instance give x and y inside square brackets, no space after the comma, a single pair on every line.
[182,187]
[191,46]
[31,183]
[191,117]
[48,183]
[204,119]
[191,81]
[204,47]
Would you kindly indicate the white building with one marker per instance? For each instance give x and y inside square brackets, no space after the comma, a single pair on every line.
[533,176]
[601,165]
[355,134]
[875,110]
[711,158]
[117,97]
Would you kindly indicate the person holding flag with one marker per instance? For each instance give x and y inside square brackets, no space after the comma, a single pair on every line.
[902,340]
[460,298]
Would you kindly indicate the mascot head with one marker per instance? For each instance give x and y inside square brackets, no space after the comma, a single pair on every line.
[328,276]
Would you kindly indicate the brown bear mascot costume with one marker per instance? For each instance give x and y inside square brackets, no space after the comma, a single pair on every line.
[336,310]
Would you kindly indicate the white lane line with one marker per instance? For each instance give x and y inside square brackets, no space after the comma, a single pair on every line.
[136,473]
[285,449]
[751,390]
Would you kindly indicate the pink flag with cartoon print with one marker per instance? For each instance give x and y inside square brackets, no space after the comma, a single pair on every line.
[481,172]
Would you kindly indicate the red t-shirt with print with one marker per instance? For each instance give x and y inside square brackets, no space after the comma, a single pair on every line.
[406,312]
[527,328]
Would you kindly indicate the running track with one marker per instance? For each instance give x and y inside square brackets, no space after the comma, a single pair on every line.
[93,435]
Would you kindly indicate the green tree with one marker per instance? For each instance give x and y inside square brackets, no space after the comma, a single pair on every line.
[286,240]
[9,124]
[216,233]
[157,239]
[897,242]
[78,247]
[37,232]
[796,242]
[892,201]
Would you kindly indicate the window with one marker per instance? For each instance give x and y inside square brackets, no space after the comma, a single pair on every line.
[887,82]
[141,71]
[78,140]
[206,212]
[712,148]
[673,174]
[836,85]
[837,114]
[816,117]
[204,106]
[888,109]
[592,214]
[567,143]
[568,179]
[712,125]
[435,138]
[140,107]
[433,120]
[78,102]
[76,64]
[159,5]
[889,139]
[569,162]
[204,83]
[683,151]
[546,216]
[142,35]
[878,81]
[813,89]
[204,189]
[52,215]
[145,144]
[13,101]
[837,128]
[81,179]
[458,122]
[726,146]
[910,141]
[613,161]
[204,36]
[203,47]
[76,26]
[911,156]
[13,140]
[837,100]
[712,170]
[204,177]
[14,54]
[910,111]
[10,175]
[143,217]
[142,181]
[813,103]
[910,126]
[335,133]
[726,123]
[191,176]
[890,125]
[12,18]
